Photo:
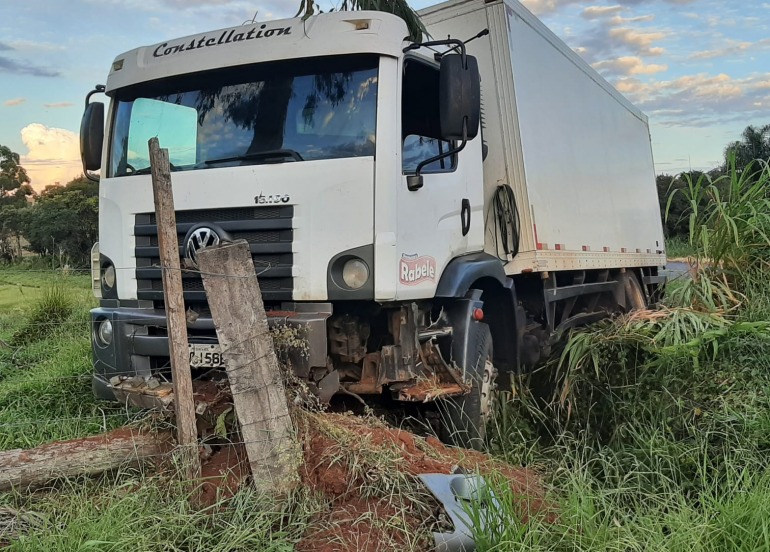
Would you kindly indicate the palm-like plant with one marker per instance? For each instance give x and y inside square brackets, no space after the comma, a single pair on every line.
[397,7]
[754,144]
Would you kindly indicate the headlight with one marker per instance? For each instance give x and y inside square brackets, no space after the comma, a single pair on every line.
[108,277]
[104,332]
[355,273]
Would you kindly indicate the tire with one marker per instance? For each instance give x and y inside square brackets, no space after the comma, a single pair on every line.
[635,299]
[464,419]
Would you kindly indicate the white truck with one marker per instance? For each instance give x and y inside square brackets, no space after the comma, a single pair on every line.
[428,214]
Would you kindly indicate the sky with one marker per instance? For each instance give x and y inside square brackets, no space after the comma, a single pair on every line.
[700,69]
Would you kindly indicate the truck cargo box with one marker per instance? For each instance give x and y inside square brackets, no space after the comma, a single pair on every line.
[575,152]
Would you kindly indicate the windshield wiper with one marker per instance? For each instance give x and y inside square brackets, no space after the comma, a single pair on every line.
[269,156]
[148,170]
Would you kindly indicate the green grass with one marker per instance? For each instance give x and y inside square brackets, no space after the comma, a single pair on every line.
[679,248]
[132,512]
[653,429]
[45,395]
[45,361]
[731,514]
[660,454]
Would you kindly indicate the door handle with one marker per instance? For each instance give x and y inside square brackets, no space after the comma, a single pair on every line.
[465,216]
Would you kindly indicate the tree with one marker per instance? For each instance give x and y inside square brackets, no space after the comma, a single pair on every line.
[12,174]
[11,227]
[673,210]
[754,144]
[63,222]
[88,188]
[397,7]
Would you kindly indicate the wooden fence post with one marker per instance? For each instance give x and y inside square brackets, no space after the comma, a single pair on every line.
[252,366]
[184,405]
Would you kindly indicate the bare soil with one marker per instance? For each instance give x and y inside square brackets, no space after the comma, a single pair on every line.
[223,473]
[348,460]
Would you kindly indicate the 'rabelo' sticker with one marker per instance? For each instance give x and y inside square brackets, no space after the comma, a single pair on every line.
[415,269]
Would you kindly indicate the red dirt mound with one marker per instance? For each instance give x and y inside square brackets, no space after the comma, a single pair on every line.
[366,472]
[361,519]
[222,473]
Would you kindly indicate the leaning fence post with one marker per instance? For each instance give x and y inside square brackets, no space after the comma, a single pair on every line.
[184,404]
[252,366]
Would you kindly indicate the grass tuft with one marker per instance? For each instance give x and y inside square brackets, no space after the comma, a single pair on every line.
[130,511]
[47,316]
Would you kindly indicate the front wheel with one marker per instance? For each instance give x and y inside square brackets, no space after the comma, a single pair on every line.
[464,419]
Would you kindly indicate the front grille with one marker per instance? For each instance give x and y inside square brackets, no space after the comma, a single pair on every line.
[196,284]
[259,236]
[227,215]
[268,230]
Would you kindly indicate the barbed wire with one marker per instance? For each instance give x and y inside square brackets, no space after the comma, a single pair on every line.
[65,271]
[130,416]
[285,445]
[243,384]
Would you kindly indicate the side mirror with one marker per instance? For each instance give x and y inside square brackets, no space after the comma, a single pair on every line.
[459,97]
[91,136]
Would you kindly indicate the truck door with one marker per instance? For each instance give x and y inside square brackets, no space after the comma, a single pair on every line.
[443,219]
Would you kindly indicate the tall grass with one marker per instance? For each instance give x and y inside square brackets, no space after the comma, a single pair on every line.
[729,514]
[729,231]
[654,427]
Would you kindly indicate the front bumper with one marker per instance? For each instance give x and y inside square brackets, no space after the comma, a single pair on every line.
[139,344]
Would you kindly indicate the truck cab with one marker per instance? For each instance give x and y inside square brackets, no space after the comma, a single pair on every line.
[299,137]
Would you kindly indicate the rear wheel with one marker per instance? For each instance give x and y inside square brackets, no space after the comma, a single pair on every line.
[464,419]
[635,299]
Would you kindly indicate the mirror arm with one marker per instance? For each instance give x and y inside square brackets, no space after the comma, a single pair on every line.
[446,42]
[98,89]
[485,32]
[415,181]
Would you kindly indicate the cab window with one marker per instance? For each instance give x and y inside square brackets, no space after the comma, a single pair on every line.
[420,130]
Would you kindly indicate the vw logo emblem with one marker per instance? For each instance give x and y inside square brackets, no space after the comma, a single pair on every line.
[199,238]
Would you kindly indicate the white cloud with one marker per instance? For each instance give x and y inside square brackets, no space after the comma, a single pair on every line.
[709,88]
[192,3]
[34,46]
[597,12]
[539,7]
[57,105]
[610,35]
[628,65]
[54,155]
[637,41]
[700,99]
[731,47]
[618,20]
[14,101]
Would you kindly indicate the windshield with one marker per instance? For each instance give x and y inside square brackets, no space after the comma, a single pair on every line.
[291,111]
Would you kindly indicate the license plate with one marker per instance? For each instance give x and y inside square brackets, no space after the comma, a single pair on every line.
[206,356]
